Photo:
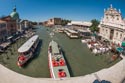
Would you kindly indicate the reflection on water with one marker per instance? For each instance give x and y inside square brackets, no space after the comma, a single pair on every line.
[78,57]
[36,54]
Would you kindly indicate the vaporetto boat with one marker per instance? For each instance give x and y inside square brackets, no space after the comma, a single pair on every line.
[27,49]
[57,63]
[71,33]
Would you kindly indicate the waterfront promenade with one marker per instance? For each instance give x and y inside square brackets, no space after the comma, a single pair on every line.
[114,74]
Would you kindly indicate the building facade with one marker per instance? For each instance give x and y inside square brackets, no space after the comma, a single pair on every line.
[112,26]
[10,25]
[80,24]
[54,21]
[25,24]
[15,16]
[3,32]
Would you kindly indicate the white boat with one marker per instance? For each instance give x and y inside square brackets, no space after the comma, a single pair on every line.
[85,40]
[51,34]
[60,30]
[57,65]
[71,33]
[27,49]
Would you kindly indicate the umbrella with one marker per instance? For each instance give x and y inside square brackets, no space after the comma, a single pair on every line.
[104,81]
[119,49]
[96,81]
[123,43]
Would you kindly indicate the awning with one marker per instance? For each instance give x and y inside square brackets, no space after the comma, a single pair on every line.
[103,81]
[94,34]
[96,81]
[123,43]
[10,37]
[119,49]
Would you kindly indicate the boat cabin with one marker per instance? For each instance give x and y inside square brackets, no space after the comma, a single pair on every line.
[71,33]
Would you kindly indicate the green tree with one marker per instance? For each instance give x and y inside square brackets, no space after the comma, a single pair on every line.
[94,26]
[65,22]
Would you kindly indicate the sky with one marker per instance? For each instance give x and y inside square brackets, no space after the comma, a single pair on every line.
[78,10]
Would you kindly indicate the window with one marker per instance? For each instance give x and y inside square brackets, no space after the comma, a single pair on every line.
[106,31]
[117,18]
[107,17]
[11,26]
[120,35]
[116,34]
[2,25]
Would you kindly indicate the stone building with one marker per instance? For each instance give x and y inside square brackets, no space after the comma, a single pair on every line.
[80,24]
[12,23]
[25,24]
[112,26]
[3,32]
[15,16]
[54,21]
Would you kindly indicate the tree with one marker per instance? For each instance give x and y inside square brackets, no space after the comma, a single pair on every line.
[94,26]
[65,22]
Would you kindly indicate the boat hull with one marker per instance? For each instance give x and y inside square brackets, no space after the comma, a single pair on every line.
[22,59]
[57,65]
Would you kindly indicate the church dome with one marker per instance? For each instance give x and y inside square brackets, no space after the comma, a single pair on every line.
[14,15]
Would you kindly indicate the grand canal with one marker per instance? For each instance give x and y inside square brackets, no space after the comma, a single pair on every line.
[79,58]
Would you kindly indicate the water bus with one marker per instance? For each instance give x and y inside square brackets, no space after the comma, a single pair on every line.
[57,64]
[71,33]
[60,30]
[27,49]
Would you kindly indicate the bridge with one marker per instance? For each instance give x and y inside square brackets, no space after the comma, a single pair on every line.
[114,74]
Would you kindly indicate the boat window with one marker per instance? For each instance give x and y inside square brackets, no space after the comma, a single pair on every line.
[50,48]
[60,69]
[74,33]
[56,53]
[26,53]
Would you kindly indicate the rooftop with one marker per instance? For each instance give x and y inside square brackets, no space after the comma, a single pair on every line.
[80,23]
[26,46]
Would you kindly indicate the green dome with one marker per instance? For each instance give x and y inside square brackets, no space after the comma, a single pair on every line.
[14,15]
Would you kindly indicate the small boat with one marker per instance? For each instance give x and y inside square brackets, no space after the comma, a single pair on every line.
[71,33]
[57,65]
[60,30]
[51,34]
[83,41]
[27,49]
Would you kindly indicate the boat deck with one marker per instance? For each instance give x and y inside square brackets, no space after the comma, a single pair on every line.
[57,56]
[61,67]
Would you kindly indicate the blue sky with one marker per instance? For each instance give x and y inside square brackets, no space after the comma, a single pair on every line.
[41,10]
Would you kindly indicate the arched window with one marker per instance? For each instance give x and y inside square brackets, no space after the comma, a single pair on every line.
[117,18]
[120,35]
[106,31]
[116,34]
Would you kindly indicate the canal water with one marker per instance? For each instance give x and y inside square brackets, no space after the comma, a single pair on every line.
[79,58]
